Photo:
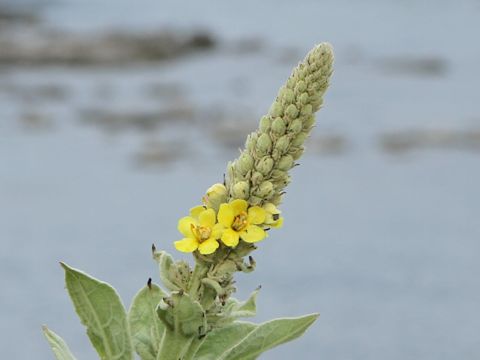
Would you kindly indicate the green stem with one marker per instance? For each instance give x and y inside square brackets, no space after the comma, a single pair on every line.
[193,348]
[199,273]
[174,346]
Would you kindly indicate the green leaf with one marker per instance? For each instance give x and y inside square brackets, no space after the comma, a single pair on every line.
[220,341]
[165,265]
[58,345]
[174,345]
[182,315]
[101,311]
[247,308]
[267,336]
[145,326]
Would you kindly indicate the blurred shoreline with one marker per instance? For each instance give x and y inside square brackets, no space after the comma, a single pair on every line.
[27,42]
[115,116]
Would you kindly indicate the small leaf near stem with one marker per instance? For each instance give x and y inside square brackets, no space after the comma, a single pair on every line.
[58,345]
[145,326]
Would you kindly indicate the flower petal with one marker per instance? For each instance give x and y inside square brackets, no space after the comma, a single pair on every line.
[253,234]
[217,231]
[195,211]
[225,215]
[186,245]
[208,246]
[277,224]
[230,237]
[238,206]
[271,208]
[207,218]
[185,226]
[256,215]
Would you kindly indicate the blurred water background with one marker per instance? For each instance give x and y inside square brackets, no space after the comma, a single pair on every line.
[115,116]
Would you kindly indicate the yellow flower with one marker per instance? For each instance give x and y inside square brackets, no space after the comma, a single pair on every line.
[200,230]
[241,222]
[272,218]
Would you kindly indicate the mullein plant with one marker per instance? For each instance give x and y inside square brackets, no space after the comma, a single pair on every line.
[194,316]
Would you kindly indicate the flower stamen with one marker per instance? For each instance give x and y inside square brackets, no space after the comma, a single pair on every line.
[201,233]
[240,221]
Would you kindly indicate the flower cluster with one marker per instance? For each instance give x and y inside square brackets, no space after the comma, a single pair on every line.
[245,207]
[207,228]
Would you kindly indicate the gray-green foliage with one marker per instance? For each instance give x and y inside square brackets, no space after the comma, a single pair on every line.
[221,341]
[182,314]
[243,340]
[101,311]
[195,317]
[58,345]
[268,335]
[145,326]
[168,326]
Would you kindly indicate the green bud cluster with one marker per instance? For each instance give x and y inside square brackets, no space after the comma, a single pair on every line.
[260,174]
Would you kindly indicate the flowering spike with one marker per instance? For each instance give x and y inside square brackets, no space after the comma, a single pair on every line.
[260,174]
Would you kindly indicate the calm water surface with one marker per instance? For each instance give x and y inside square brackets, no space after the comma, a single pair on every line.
[385,246]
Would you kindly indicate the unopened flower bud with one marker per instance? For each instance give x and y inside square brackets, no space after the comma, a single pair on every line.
[264,144]
[281,181]
[265,190]
[276,110]
[303,98]
[316,103]
[265,123]
[245,163]
[291,111]
[314,86]
[297,154]
[307,110]
[215,195]
[277,174]
[255,200]
[265,165]
[299,140]
[241,190]
[287,95]
[281,145]
[278,126]
[292,80]
[300,87]
[308,122]
[295,126]
[257,178]
[285,163]
[276,199]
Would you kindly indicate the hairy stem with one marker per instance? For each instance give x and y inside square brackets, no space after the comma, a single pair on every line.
[174,346]
[199,272]
[193,348]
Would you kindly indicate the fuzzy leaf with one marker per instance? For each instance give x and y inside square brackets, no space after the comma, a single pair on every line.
[220,341]
[182,314]
[268,335]
[247,308]
[58,345]
[145,326]
[165,263]
[101,311]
